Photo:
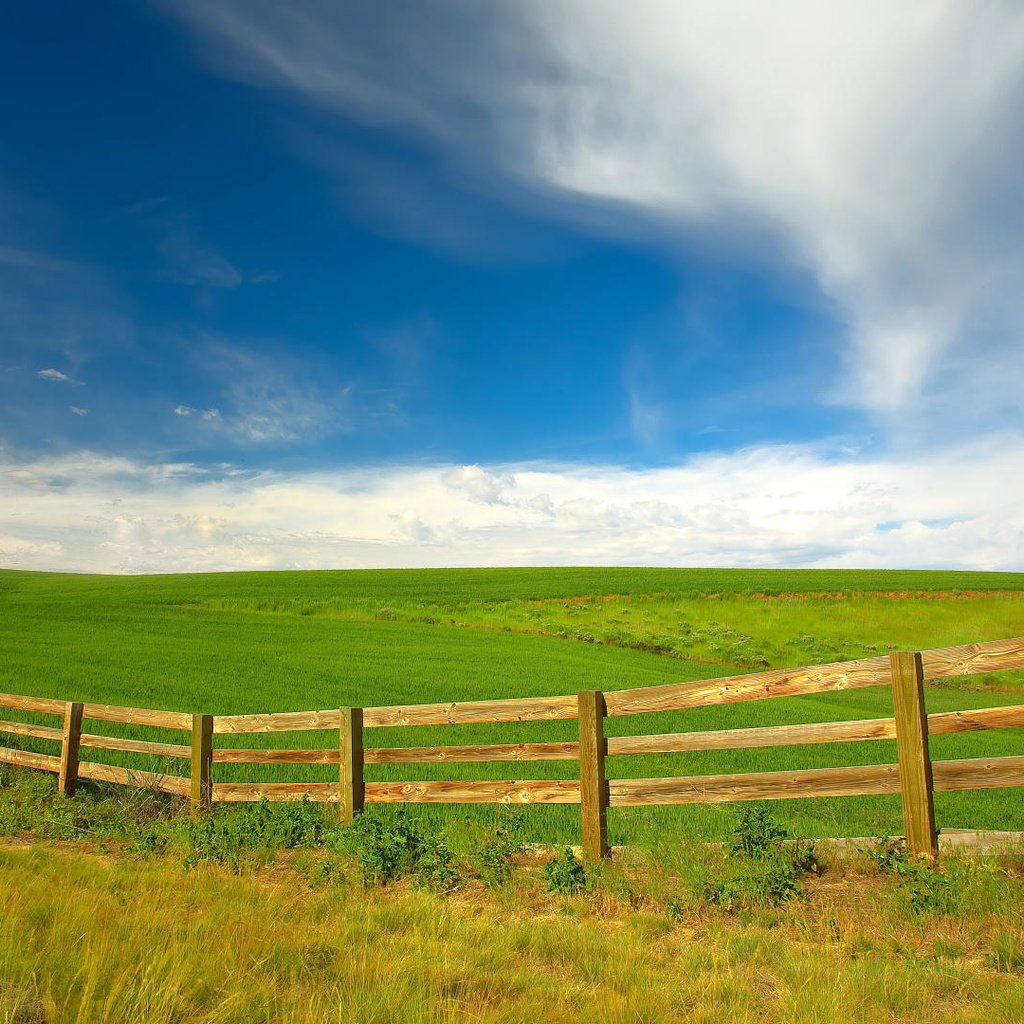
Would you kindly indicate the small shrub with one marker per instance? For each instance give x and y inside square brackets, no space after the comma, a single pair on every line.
[888,855]
[435,865]
[493,857]
[757,834]
[390,846]
[565,874]
[928,890]
[771,887]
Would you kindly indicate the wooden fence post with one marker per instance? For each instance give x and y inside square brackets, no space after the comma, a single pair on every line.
[350,775]
[67,777]
[202,760]
[915,762]
[593,784]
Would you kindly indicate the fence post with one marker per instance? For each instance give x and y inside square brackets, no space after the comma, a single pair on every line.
[67,777]
[202,760]
[593,784]
[915,762]
[350,774]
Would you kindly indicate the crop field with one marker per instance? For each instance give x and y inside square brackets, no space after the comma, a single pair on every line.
[249,642]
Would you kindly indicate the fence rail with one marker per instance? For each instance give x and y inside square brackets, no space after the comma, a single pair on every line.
[915,776]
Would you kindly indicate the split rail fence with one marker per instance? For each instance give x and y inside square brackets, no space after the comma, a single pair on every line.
[915,776]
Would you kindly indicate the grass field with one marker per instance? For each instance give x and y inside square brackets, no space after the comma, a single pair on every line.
[232,643]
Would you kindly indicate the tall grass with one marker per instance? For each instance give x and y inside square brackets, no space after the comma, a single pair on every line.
[100,939]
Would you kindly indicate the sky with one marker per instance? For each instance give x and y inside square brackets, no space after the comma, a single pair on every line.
[327,284]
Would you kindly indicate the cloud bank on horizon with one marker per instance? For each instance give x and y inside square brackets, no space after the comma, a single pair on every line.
[532,282]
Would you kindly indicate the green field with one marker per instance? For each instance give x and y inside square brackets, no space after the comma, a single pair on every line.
[245,642]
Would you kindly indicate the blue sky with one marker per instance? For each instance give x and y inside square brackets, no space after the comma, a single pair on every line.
[328,284]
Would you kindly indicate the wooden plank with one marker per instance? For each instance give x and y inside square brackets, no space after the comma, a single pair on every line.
[482,792]
[42,732]
[243,792]
[915,762]
[521,709]
[67,776]
[593,782]
[139,716]
[795,785]
[134,779]
[975,720]
[974,659]
[783,682]
[350,764]
[202,760]
[978,773]
[43,705]
[739,739]
[29,759]
[568,751]
[861,730]
[284,721]
[236,755]
[178,750]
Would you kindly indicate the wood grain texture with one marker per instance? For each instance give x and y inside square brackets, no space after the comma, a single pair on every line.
[284,721]
[135,779]
[593,782]
[67,775]
[978,773]
[201,774]
[42,705]
[244,792]
[915,763]
[29,759]
[350,764]
[513,792]
[178,750]
[813,782]
[783,682]
[974,659]
[524,709]
[139,716]
[42,732]
[236,755]
[568,751]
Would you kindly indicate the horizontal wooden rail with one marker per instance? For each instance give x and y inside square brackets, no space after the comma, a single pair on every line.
[134,779]
[567,751]
[978,773]
[236,755]
[539,791]
[41,705]
[138,716]
[29,759]
[818,732]
[42,732]
[178,750]
[242,792]
[949,776]
[707,789]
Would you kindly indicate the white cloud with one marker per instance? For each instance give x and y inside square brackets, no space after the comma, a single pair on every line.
[54,375]
[188,262]
[270,396]
[874,145]
[786,506]
[183,410]
[78,410]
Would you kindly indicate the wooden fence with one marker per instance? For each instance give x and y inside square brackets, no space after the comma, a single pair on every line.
[915,777]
